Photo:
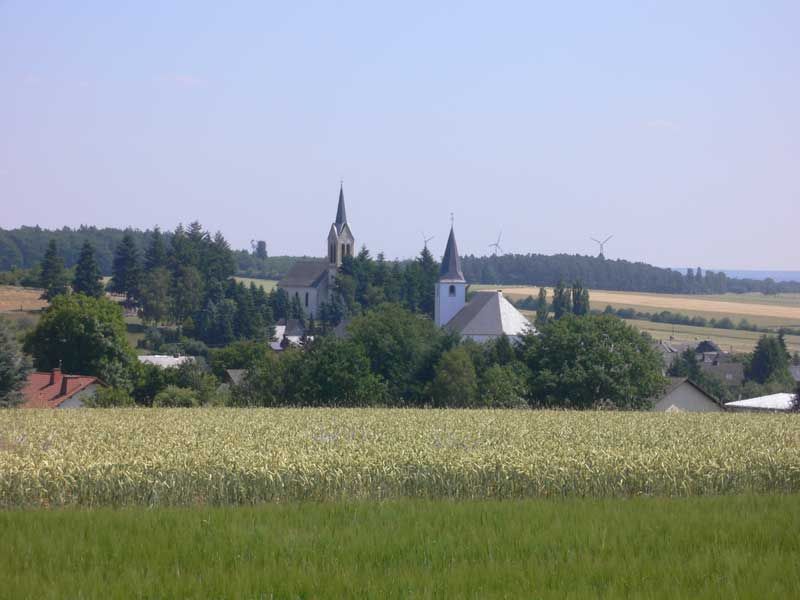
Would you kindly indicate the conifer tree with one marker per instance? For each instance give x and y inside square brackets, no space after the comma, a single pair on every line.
[542,309]
[580,299]
[156,255]
[14,366]
[54,277]
[87,274]
[126,270]
[562,303]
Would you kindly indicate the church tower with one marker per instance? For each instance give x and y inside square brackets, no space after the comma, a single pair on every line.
[341,242]
[451,289]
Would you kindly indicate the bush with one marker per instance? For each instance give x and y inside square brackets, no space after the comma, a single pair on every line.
[110,397]
[176,397]
[503,386]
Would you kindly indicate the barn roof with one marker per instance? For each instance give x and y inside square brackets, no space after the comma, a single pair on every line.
[781,401]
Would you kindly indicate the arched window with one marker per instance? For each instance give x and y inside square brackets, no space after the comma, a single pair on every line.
[344,250]
[452,290]
[306,299]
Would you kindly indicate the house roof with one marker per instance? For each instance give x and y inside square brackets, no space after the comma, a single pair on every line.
[164,360]
[772,402]
[235,376]
[451,261]
[50,390]
[489,314]
[305,273]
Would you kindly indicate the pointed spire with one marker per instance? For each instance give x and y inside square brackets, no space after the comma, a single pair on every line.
[341,214]
[451,262]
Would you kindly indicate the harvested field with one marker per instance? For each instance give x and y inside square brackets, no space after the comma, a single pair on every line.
[768,311]
[13,298]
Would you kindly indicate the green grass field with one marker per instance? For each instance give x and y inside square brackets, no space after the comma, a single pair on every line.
[267,284]
[720,547]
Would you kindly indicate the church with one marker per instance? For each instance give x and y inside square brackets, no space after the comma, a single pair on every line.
[311,281]
[488,314]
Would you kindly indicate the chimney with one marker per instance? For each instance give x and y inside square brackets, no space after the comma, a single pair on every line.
[55,376]
[63,391]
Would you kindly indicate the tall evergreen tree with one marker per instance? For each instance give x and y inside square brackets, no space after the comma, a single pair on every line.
[580,299]
[769,362]
[542,308]
[127,270]
[562,304]
[54,277]
[87,274]
[14,367]
[156,254]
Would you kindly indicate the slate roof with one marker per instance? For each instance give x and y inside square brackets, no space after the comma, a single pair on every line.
[341,213]
[305,273]
[451,262]
[489,314]
[50,390]
[235,376]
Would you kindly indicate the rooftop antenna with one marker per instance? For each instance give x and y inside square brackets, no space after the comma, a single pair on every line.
[496,245]
[602,245]
[425,240]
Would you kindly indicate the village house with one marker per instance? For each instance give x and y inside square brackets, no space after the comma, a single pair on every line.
[58,390]
[685,396]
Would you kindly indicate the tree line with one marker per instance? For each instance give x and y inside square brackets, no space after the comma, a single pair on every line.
[23,249]
[601,273]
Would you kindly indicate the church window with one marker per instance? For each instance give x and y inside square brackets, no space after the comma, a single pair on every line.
[452,290]
[344,250]
[306,299]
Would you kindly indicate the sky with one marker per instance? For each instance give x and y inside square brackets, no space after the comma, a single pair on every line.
[674,126]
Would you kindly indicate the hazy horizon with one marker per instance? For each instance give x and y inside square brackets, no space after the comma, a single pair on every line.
[674,128]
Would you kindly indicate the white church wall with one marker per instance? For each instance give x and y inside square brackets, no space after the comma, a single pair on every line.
[447,305]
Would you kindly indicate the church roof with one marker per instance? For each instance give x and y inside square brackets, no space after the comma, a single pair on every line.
[489,314]
[341,213]
[451,262]
[305,273]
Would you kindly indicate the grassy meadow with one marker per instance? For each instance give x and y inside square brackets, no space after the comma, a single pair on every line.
[166,457]
[720,547]
[266,284]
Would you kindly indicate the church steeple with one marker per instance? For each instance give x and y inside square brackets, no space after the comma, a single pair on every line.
[340,238]
[341,213]
[451,289]
[451,262]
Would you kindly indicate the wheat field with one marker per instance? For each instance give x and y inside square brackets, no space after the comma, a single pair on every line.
[158,457]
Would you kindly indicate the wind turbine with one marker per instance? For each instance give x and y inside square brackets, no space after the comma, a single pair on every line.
[496,245]
[602,245]
[425,240]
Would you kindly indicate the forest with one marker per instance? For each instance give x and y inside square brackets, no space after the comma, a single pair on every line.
[23,249]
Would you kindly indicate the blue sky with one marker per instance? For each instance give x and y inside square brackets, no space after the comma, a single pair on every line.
[674,126]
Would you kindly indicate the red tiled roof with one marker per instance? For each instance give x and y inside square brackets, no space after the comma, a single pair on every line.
[49,390]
